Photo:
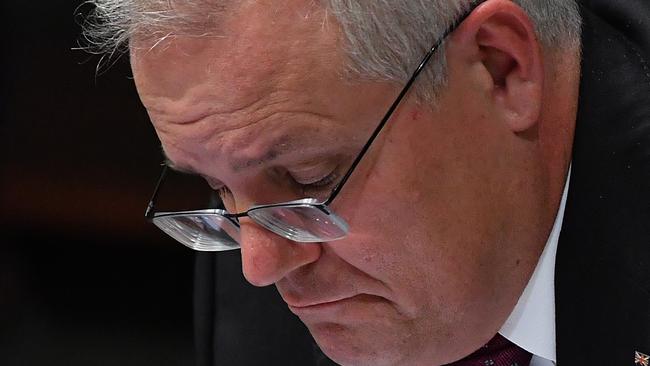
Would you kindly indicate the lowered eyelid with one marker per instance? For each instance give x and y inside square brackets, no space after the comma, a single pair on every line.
[214,183]
[314,164]
[314,171]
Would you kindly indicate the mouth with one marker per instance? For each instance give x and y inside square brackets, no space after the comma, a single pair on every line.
[316,305]
[332,306]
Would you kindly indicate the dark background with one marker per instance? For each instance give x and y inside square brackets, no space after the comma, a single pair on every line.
[84,279]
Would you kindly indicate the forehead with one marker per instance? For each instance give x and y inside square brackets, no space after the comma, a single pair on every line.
[261,47]
[271,83]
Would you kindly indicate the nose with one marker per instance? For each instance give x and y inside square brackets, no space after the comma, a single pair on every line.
[267,257]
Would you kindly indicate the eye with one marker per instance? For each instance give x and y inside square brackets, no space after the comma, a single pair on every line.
[226,198]
[217,186]
[223,192]
[316,184]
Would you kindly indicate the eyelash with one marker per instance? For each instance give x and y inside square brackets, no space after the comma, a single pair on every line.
[222,192]
[319,185]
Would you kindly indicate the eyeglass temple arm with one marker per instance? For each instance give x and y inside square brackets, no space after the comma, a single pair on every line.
[398,100]
[149,212]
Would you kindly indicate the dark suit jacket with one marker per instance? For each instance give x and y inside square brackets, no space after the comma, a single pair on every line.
[603,259]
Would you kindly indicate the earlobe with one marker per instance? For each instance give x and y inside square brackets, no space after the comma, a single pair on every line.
[510,55]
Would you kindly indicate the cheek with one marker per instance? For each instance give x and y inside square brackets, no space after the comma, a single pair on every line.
[420,227]
[429,255]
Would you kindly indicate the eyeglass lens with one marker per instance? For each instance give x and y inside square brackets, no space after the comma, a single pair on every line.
[299,222]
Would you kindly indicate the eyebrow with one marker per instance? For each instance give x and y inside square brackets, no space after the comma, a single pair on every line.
[276,151]
[282,146]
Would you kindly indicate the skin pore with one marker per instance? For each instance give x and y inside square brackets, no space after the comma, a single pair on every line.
[448,212]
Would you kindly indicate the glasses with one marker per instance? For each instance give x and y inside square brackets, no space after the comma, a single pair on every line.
[305,221]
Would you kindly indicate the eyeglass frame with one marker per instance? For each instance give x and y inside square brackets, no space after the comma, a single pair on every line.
[150,213]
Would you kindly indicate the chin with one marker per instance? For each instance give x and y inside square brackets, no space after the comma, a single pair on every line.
[348,347]
[359,345]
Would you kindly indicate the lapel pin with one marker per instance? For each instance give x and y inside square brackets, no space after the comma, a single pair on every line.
[641,359]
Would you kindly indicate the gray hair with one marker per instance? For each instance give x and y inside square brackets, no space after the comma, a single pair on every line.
[385,39]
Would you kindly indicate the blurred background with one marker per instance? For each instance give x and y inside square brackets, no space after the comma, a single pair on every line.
[84,279]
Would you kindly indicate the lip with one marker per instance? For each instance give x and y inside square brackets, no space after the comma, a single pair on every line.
[318,304]
[328,307]
[317,310]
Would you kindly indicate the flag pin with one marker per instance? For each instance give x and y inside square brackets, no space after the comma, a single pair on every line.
[641,359]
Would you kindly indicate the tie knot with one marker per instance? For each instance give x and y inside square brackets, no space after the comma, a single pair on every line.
[497,352]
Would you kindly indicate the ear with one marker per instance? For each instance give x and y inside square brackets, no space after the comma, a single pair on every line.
[499,38]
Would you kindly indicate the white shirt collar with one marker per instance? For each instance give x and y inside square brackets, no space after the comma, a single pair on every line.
[531,325]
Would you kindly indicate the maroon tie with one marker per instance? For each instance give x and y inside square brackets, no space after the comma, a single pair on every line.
[497,352]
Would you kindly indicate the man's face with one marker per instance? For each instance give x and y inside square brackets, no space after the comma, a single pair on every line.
[436,211]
